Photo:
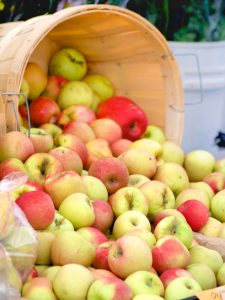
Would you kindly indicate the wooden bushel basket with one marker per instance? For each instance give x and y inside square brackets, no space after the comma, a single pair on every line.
[116,42]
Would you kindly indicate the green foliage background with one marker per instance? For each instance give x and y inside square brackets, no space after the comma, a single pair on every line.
[181,20]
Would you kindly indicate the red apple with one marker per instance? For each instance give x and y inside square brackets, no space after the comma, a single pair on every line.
[73,143]
[107,129]
[101,273]
[103,215]
[127,114]
[11,165]
[23,111]
[97,148]
[110,288]
[54,85]
[129,254]
[42,140]
[120,146]
[101,257]
[15,144]
[79,113]
[43,110]
[80,129]
[28,186]
[63,184]
[69,159]
[93,235]
[38,208]
[171,274]
[195,213]
[216,180]
[169,252]
[111,171]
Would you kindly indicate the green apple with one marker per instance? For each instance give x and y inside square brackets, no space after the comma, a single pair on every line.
[171,152]
[24,89]
[220,165]
[38,288]
[94,188]
[78,209]
[203,274]
[75,92]
[137,180]
[211,228]
[145,282]
[198,164]
[154,133]
[95,102]
[51,271]
[69,247]
[41,165]
[181,288]
[159,197]
[189,194]
[68,63]
[139,161]
[72,281]
[128,198]
[151,146]
[52,129]
[204,187]
[173,175]
[201,254]
[145,235]
[123,262]
[101,85]
[129,221]
[221,275]
[40,269]
[59,224]
[63,184]
[218,206]
[36,79]
[45,240]
[174,226]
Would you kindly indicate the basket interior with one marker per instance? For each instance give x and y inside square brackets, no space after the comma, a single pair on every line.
[118,48]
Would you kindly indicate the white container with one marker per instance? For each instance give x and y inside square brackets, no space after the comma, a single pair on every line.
[204,93]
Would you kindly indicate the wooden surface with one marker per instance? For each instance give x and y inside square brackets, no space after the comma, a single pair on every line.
[116,42]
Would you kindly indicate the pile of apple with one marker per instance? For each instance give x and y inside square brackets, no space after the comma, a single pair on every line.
[114,204]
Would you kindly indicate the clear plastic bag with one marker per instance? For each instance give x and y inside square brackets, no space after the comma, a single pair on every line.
[18,239]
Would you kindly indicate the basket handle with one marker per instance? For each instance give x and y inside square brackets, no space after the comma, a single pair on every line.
[195,56]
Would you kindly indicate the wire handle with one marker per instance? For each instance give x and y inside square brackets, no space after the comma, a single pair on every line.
[15,108]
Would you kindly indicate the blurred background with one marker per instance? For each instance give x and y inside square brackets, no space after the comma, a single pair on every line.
[195,31]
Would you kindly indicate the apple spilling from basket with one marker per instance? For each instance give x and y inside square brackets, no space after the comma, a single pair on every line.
[113,203]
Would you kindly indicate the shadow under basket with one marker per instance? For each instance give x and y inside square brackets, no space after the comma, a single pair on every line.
[116,42]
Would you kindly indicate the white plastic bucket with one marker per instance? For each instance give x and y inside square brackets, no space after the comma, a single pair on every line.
[204,93]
